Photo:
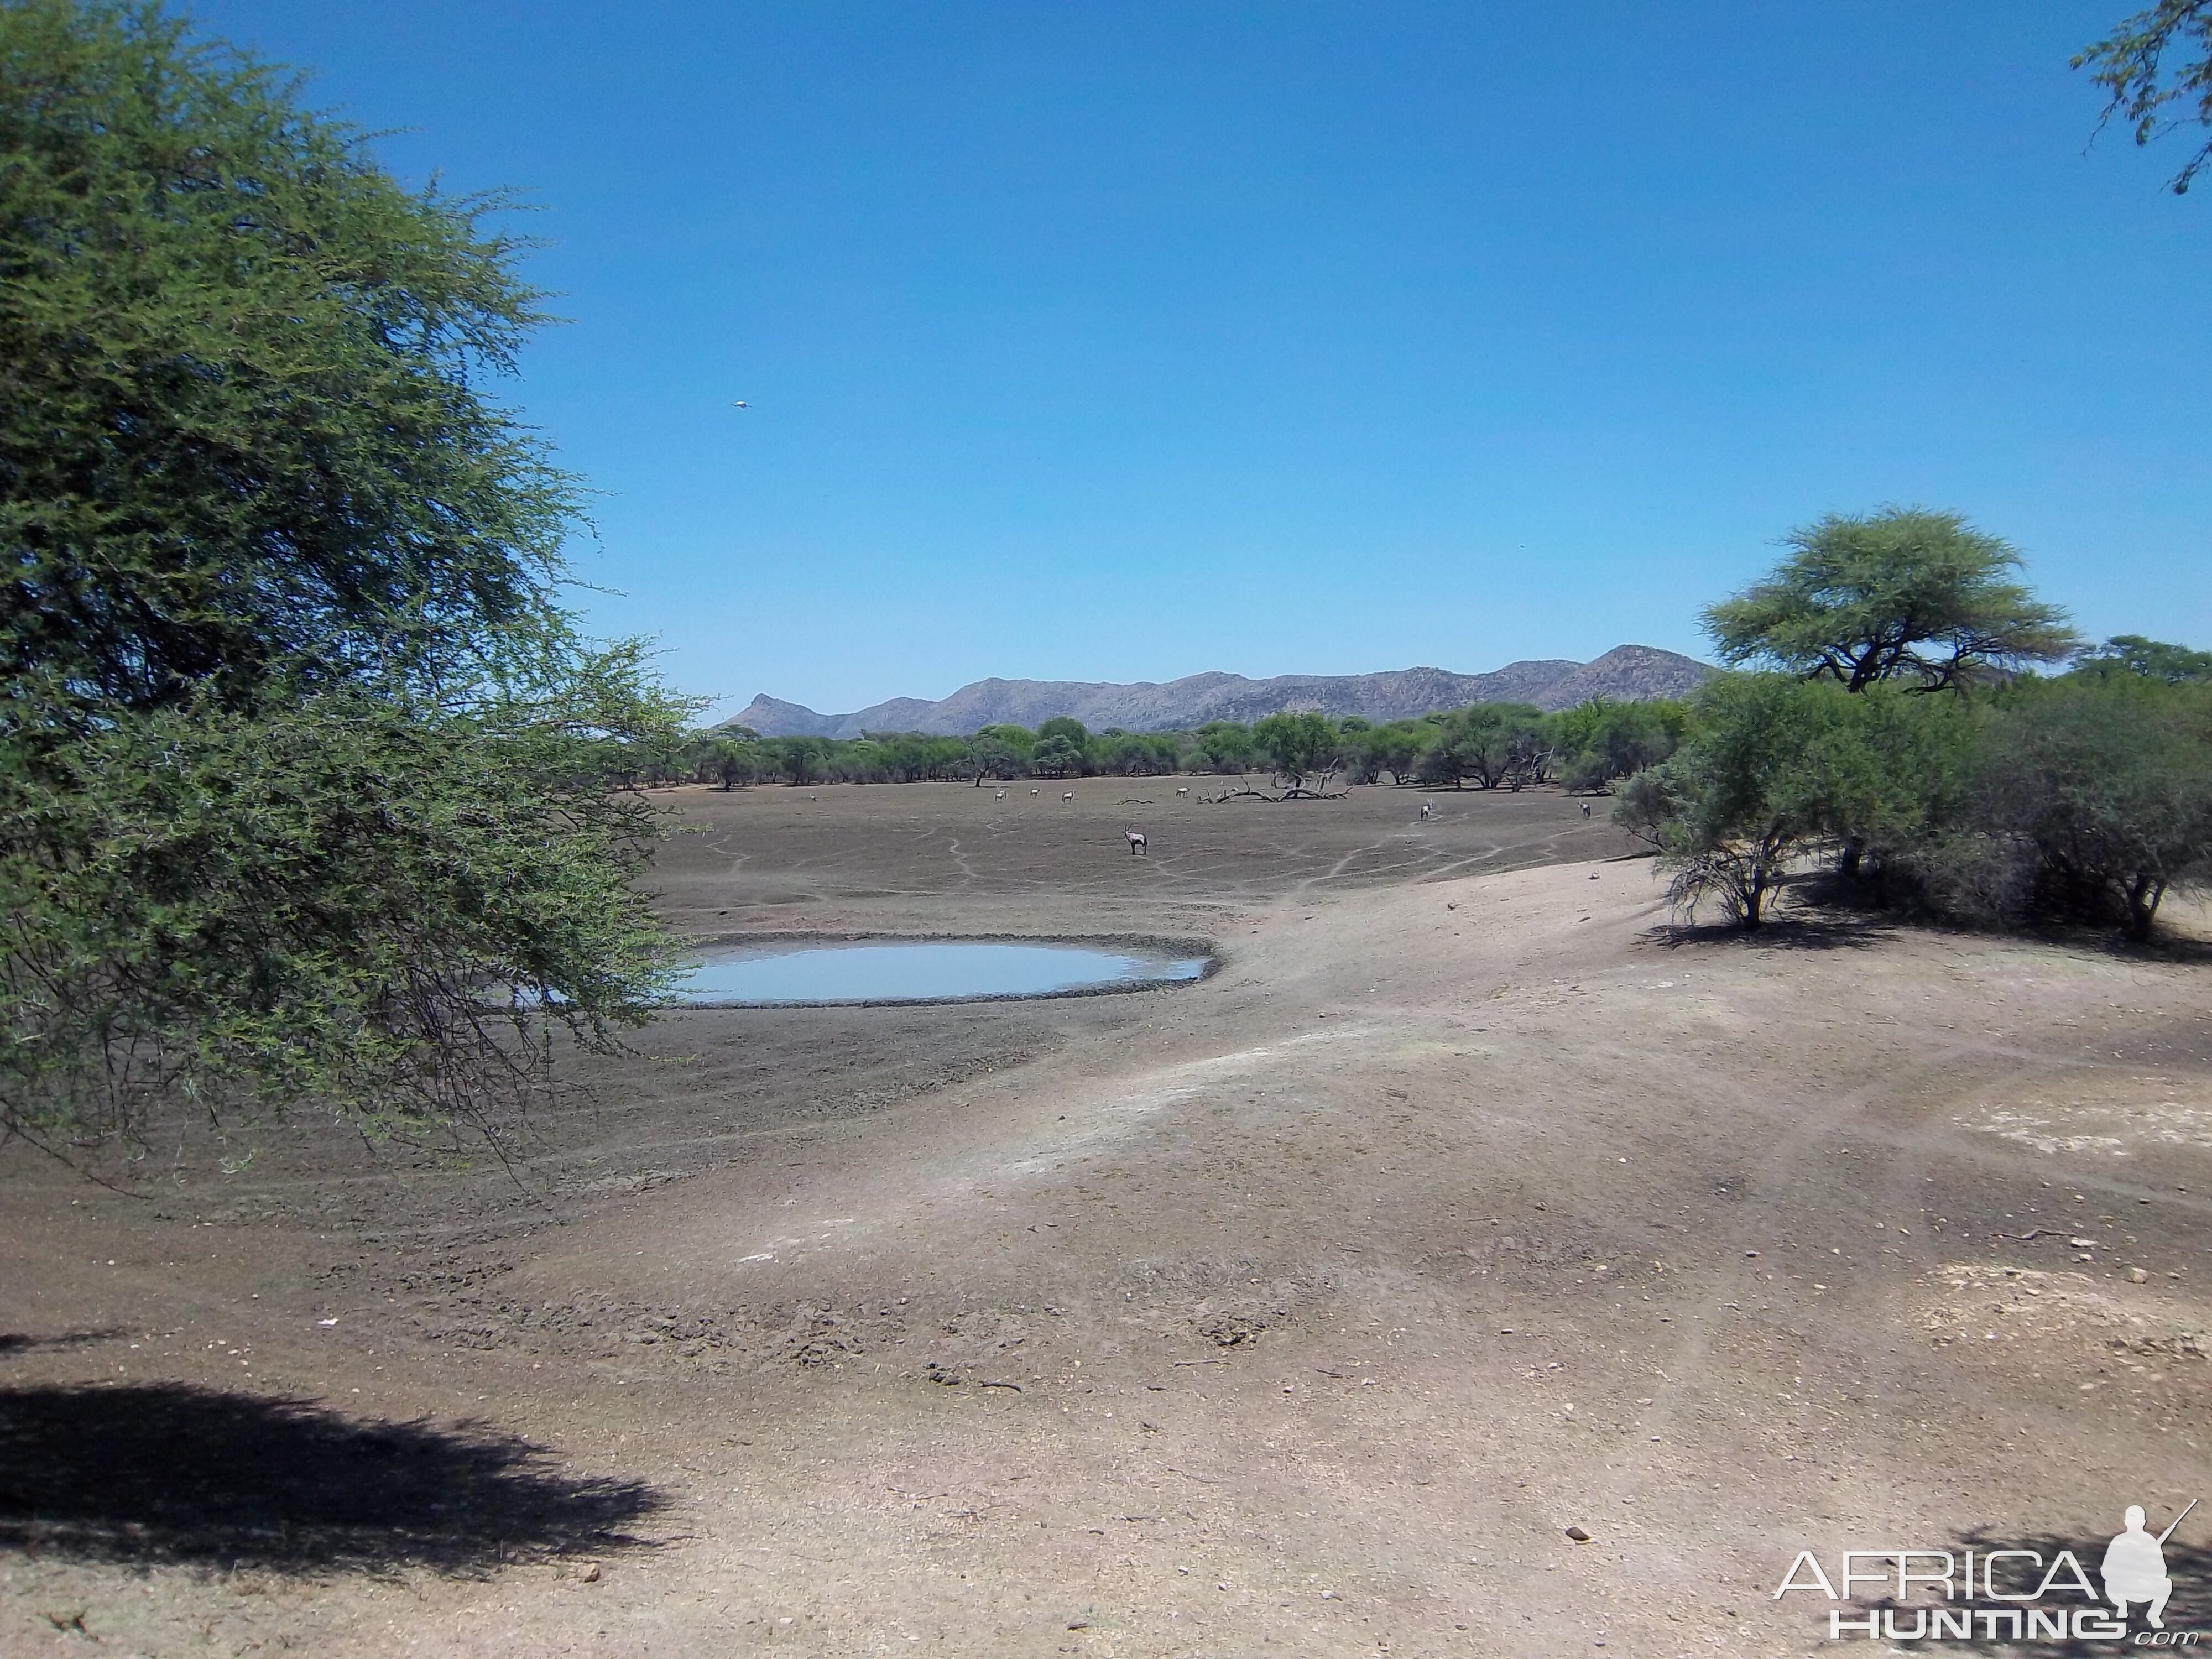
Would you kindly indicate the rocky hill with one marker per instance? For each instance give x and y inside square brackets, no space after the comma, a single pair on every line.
[1627,673]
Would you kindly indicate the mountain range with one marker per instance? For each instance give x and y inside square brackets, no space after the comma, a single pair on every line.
[1627,673]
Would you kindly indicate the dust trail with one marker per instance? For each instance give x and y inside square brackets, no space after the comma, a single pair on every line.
[719,844]
[1131,1100]
[1338,868]
[1797,1140]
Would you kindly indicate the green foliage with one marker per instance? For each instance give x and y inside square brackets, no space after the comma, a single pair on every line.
[1056,755]
[1223,746]
[2097,798]
[1749,791]
[1393,748]
[244,458]
[728,757]
[1134,754]
[1064,725]
[1594,742]
[1495,744]
[2087,798]
[2131,653]
[1300,746]
[1508,745]
[301,761]
[1905,594]
[374,906]
[993,756]
[2157,61]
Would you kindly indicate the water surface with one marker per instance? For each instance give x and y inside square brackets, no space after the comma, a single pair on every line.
[921,970]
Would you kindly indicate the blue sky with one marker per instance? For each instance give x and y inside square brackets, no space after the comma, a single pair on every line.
[1121,341]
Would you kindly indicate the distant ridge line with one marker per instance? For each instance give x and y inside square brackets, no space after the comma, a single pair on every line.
[1627,673]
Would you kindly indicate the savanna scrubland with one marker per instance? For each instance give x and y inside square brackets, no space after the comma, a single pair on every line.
[1547,1224]
[1301,1309]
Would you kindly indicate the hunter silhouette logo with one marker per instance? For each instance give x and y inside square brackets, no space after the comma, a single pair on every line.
[2135,1566]
[2001,1595]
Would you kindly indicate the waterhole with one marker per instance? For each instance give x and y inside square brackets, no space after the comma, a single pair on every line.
[785,972]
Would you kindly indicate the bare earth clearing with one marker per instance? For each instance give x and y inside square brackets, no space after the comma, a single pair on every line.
[1296,1312]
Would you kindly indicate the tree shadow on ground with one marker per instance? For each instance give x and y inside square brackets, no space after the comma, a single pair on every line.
[2190,1610]
[172,1472]
[1848,898]
[15,1342]
[1796,930]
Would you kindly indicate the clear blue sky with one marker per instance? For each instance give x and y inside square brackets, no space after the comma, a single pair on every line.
[1119,341]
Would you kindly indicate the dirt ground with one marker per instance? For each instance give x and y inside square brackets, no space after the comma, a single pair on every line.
[1300,1311]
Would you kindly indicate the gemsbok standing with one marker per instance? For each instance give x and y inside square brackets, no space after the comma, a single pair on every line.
[1137,844]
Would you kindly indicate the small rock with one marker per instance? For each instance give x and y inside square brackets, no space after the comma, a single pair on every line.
[1578,1534]
[2137,1276]
[1750,1254]
[590,1575]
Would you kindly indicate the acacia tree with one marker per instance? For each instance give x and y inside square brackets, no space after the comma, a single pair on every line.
[1055,756]
[1392,748]
[1223,746]
[990,756]
[1735,806]
[1904,593]
[1301,747]
[309,788]
[802,759]
[2153,659]
[2157,67]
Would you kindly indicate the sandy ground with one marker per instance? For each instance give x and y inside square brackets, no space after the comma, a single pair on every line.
[1298,1312]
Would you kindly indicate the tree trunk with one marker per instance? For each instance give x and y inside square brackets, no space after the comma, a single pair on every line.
[2142,906]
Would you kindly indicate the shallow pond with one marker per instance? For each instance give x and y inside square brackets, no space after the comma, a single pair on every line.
[921,970]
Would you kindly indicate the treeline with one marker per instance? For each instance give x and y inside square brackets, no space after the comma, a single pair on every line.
[1900,736]
[1497,745]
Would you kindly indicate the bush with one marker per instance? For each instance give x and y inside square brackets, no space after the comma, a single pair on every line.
[2085,798]
[2096,793]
